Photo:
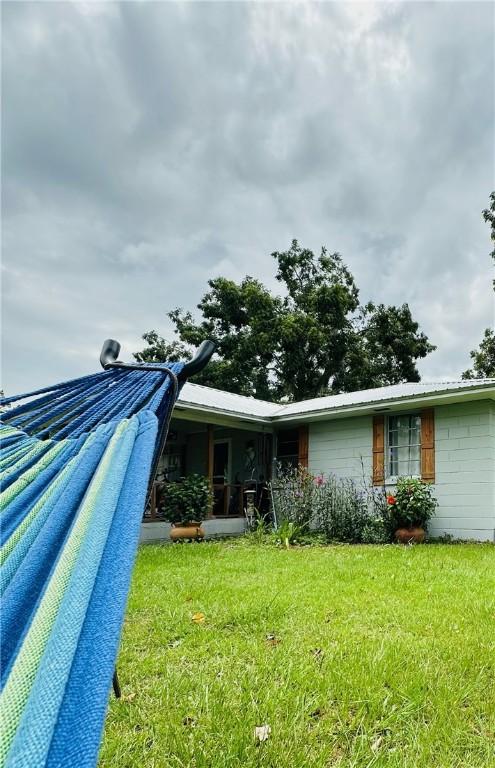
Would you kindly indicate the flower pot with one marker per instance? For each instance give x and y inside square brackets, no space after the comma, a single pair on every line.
[412,535]
[191,530]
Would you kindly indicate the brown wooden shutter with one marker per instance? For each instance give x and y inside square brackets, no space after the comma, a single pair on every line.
[428,445]
[378,450]
[303,445]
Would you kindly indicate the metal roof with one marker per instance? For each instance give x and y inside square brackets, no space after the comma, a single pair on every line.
[206,399]
[218,400]
[380,394]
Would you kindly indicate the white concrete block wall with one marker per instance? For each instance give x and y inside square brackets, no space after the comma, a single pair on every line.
[338,447]
[464,457]
[465,470]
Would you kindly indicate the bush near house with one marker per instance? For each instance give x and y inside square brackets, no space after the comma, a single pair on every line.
[295,496]
[412,503]
[346,511]
[187,500]
[339,508]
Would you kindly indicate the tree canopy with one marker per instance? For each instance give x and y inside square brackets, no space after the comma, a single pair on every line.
[489,217]
[484,357]
[313,339]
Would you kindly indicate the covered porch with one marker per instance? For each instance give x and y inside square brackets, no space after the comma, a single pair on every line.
[231,440]
[235,457]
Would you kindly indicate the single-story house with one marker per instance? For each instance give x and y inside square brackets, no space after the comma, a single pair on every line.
[443,432]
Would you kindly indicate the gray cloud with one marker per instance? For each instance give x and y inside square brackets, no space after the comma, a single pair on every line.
[150,146]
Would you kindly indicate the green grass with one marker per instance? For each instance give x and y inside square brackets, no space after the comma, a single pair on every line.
[384,656]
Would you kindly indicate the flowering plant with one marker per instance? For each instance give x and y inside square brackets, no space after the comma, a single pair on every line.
[295,492]
[413,503]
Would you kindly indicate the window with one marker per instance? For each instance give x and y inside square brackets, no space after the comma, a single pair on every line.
[404,446]
[288,447]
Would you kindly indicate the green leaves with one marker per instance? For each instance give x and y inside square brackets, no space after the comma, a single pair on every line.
[314,339]
[414,503]
[334,506]
[484,358]
[489,217]
[387,345]
[187,500]
[159,350]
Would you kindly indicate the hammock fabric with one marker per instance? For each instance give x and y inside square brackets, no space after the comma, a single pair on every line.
[75,464]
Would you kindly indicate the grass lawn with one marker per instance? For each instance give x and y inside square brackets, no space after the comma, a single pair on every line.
[353,655]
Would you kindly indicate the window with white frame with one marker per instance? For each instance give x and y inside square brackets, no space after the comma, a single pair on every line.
[403,446]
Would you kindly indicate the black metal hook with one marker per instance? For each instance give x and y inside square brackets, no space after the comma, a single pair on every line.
[200,360]
[109,352]
[111,348]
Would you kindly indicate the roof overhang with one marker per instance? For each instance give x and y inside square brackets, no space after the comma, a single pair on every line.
[222,418]
[213,415]
[382,406]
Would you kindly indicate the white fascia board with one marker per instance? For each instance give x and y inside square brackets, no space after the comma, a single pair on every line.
[209,415]
[383,406]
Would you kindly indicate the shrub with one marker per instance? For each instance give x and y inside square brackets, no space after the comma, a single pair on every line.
[294,494]
[378,528]
[412,504]
[376,531]
[287,533]
[187,500]
[341,510]
[259,529]
[337,507]
[353,514]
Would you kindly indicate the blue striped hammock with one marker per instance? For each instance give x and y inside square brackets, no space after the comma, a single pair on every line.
[75,464]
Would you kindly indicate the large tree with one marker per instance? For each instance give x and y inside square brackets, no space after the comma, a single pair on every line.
[314,339]
[159,350]
[489,217]
[484,357]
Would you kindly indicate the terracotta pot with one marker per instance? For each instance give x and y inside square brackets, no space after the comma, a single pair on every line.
[412,535]
[191,530]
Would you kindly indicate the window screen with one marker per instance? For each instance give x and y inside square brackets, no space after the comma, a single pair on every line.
[404,446]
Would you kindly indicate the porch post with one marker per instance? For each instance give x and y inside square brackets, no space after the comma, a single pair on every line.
[153,514]
[209,460]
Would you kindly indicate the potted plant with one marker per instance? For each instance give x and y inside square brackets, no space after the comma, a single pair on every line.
[411,507]
[185,504]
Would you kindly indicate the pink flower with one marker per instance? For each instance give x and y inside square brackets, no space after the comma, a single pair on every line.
[319,480]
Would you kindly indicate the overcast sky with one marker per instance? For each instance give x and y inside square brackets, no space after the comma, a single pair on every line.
[150,146]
